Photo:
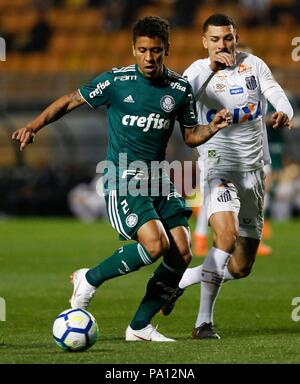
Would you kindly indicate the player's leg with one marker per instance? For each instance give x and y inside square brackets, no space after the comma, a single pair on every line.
[165,278]
[246,231]
[225,232]
[152,242]
[243,255]
[223,206]
[263,248]
[163,282]
[179,254]
[242,259]
[137,217]
[239,265]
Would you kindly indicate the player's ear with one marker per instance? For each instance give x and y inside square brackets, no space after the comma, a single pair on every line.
[167,50]
[237,38]
[204,42]
[133,49]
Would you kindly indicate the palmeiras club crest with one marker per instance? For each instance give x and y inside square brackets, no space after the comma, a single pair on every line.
[131,220]
[167,103]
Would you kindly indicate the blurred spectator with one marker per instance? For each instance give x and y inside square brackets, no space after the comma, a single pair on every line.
[287,193]
[76,3]
[184,13]
[114,11]
[255,12]
[286,20]
[296,10]
[38,37]
[86,201]
[285,180]
[120,14]
[46,4]
[280,8]
[39,190]
[130,11]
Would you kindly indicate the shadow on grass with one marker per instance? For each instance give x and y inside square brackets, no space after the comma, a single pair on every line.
[264,331]
[244,333]
[48,349]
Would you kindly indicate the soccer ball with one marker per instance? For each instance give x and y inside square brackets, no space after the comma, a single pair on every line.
[75,330]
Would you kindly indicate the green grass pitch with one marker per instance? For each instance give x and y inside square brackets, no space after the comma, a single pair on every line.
[253,315]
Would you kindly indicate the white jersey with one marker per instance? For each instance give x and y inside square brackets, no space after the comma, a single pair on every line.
[243,89]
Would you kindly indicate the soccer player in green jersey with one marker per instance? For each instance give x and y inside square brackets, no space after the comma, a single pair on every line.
[143,101]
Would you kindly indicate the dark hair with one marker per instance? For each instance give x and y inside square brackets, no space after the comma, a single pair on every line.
[152,26]
[219,20]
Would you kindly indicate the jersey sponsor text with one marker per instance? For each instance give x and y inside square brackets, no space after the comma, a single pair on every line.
[154,121]
[99,89]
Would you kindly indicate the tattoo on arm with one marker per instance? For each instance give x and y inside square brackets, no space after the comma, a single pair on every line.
[209,129]
[75,96]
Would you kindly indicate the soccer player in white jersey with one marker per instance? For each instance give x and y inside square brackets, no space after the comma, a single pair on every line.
[233,160]
[200,235]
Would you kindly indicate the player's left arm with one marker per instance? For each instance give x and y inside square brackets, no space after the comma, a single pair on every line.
[276,96]
[199,134]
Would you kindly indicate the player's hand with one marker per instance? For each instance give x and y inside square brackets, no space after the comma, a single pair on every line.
[222,60]
[24,136]
[221,120]
[280,119]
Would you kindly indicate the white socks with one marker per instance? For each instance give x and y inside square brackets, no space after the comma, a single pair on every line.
[212,276]
[192,276]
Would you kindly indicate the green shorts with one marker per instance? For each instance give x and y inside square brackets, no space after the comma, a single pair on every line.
[128,213]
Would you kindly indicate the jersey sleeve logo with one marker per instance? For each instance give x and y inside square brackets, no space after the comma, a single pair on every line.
[167,103]
[99,89]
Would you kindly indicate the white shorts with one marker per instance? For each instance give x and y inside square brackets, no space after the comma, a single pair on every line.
[239,192]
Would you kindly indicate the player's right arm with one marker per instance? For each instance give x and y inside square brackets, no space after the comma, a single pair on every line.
[53,112]
[193,131]
[200,134]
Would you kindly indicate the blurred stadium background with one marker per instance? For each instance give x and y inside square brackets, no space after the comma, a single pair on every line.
[54,46]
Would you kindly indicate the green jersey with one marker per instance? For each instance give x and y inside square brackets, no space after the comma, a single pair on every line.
[141,111]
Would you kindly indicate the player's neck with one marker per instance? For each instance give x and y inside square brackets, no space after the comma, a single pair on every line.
[155,78]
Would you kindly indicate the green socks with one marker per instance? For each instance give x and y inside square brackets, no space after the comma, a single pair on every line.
[160,286]
[131,258]
[125,260]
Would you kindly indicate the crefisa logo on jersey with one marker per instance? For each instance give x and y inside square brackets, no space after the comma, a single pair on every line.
[99,89]
[167,103]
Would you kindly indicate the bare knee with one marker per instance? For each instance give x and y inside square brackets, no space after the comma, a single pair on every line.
[157,247]
[239,273]
[243,257]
